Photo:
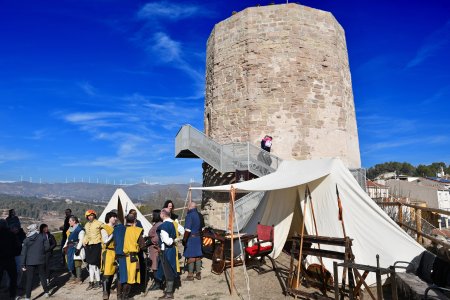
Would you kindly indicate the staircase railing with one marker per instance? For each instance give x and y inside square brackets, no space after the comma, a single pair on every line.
[228,157]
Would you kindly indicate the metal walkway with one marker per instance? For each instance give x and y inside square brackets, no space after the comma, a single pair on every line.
[192,143]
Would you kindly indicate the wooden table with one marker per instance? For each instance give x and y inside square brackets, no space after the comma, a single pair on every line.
[221,257]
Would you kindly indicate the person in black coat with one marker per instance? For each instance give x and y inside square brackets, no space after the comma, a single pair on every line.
[12,219]
[20,237]
[8,249]
[33,258]
[43,229]
[64,229]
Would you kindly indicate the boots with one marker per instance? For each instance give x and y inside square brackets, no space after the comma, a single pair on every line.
[168,294]
[190,276]
[77,274]
[90,286]
[198,276]
[198,269]
[106,287]
[119,290]
[156,285]
[126,291]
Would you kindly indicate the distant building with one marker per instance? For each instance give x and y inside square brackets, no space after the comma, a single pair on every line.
[386,176]
[376,190]
[433,193]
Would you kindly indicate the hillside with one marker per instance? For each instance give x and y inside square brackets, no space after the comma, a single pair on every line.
[92,192]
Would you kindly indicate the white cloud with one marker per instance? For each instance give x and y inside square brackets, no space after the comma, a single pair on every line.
[381,126]
[99,118]
[406,141]
[433,43]
[88,88]
[165,48]
[168,10]
[9,155]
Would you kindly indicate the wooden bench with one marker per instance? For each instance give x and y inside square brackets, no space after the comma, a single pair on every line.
[418,281]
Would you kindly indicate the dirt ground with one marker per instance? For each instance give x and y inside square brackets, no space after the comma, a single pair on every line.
[211,287]
[264,286]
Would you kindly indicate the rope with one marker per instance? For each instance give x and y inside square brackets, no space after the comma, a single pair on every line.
[247,279]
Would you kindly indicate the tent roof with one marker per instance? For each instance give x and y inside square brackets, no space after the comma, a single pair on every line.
[290,173]
[126,204]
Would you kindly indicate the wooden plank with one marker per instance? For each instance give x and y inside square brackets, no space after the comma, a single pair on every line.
[324,253]
[307,295]
[321,240]
[364,267]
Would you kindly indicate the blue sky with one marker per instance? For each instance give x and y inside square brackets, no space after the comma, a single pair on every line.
[98,89]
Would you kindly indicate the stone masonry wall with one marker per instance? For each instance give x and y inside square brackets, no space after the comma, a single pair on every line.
[282,70]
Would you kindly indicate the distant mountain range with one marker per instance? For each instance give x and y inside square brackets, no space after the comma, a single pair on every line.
[92,192]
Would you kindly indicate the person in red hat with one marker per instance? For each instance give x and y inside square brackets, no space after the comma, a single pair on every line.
[93,247]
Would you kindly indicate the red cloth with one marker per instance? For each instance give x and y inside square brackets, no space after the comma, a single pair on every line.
[253,250]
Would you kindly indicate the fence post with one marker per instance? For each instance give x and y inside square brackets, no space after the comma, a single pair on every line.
[400,214]
[419,225]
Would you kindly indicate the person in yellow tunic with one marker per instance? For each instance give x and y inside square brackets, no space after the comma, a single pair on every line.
[108,253]
[93,247]
[133,242]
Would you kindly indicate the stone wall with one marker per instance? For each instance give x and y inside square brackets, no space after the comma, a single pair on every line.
[282,70]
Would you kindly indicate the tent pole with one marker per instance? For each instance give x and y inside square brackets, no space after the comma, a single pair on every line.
[341,218]
[296,285]
[188,196]
[315,227]
[231,213]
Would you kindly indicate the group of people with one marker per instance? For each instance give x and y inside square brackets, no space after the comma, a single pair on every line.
[119,251]
[109,250]
[25,254]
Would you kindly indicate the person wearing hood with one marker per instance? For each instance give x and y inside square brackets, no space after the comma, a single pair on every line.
[74,249]
[33,258]
[12,219]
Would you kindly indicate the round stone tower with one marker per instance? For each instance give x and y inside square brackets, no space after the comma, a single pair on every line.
[282,70]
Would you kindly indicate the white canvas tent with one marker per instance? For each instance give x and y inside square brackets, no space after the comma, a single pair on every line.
[372,230]
[122,203]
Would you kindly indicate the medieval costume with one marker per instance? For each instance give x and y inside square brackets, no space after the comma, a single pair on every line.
[193,244]
[167,268]
[133,242]
[75,251]
[119,241]
[93,247]
[153,249]
[108,259]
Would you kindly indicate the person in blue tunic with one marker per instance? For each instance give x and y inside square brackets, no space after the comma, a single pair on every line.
[167,268]
[119,239]
[192,242]
[74,248]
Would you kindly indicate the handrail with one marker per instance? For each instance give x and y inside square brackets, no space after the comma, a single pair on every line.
[225,157]
[433,210]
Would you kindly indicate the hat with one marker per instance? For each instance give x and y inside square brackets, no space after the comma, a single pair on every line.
[32,227]
[90,212]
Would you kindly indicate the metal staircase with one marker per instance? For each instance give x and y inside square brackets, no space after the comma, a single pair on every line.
[192,143]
